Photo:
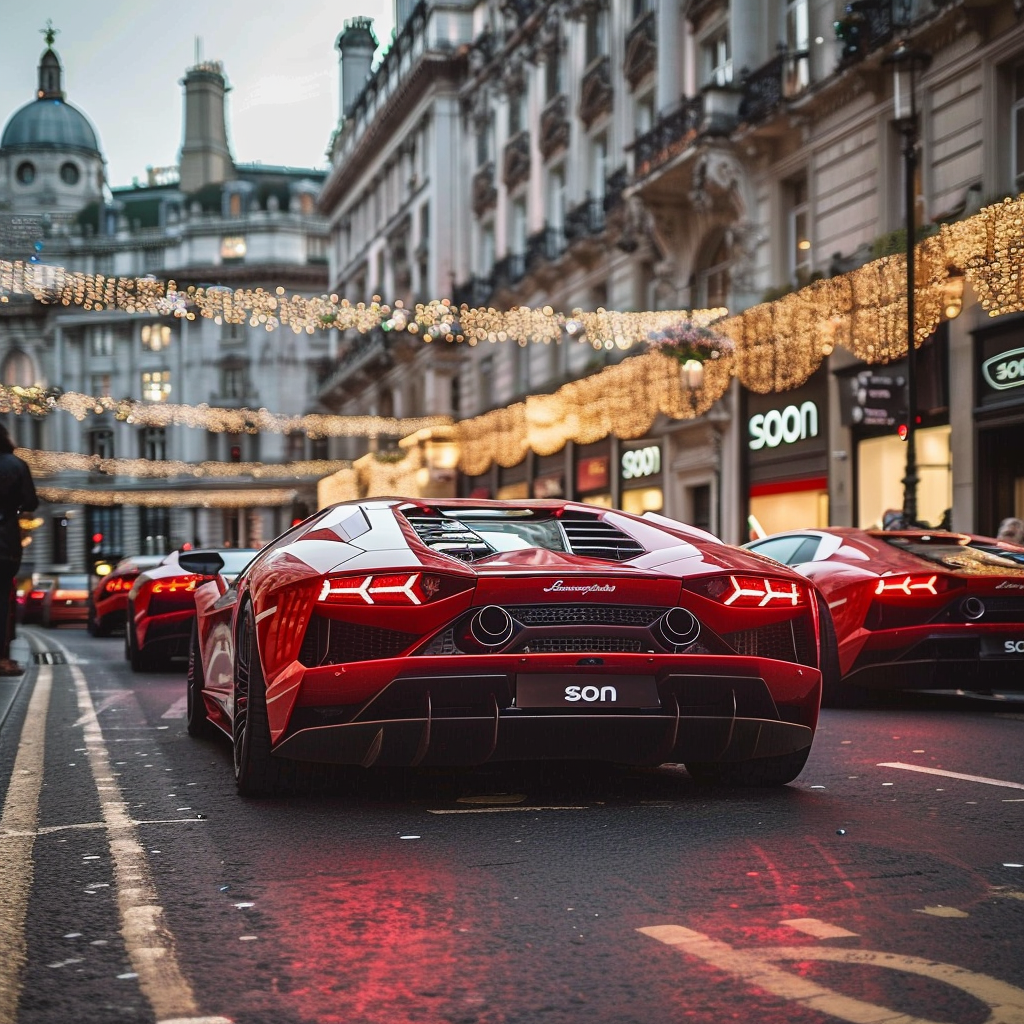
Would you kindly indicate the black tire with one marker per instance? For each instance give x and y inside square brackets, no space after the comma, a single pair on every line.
[197,722]
[257,771]
[762,772]
[140,661]
[96,627]
[834,692]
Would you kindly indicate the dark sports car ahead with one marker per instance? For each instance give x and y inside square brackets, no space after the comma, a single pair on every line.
[915,609]
[108,602]
[161,607]
[400,632]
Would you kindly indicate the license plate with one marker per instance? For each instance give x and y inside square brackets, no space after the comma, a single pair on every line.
[565,691]
[1002,647]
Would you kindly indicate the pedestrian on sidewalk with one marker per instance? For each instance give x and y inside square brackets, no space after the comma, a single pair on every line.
[17,495]
[1012,530]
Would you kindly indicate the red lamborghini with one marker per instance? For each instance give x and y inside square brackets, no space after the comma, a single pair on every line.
[109,598]
[401,632]
[161,606]
[914,609]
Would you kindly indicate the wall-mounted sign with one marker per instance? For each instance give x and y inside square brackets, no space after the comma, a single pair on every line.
[1005,370]
[876,399]
[641,462]
[785,426]
[592,474]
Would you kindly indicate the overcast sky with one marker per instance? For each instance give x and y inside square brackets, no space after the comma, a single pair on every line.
[123,62]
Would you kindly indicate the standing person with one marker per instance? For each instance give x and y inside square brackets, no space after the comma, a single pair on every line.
[17,495]
[1012,530]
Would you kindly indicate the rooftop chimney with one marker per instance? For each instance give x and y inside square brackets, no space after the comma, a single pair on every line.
[356,45]
[205,158]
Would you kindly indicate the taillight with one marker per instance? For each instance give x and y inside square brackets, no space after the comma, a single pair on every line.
[178,584]
[405,588]
[37,595]
[911,587]
[755,592]
[118,584]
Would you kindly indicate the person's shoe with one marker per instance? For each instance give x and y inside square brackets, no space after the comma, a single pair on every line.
[10,668]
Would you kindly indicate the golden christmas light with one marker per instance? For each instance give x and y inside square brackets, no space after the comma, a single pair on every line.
[267,498]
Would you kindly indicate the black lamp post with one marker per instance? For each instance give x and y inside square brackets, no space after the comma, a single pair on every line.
[907,65]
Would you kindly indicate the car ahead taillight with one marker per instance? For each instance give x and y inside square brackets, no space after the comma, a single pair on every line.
[118,584]
[755,592]
[911,586]
[178,584]
[37,595]
[403,588]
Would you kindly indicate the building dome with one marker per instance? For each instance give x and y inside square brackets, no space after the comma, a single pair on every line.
[49,124]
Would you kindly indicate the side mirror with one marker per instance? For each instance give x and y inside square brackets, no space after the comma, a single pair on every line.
[202,563]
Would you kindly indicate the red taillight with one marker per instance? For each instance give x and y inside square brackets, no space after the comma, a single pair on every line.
[405,588]
[912,587]
[756,592]
[37,595]
[118,584]
[178,584]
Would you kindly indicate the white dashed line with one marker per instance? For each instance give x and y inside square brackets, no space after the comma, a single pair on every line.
[818,929]
[951,775]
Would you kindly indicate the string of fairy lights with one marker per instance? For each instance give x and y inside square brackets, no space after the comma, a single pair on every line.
[775,346]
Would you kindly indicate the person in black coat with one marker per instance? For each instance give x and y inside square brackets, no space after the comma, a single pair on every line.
[17,495]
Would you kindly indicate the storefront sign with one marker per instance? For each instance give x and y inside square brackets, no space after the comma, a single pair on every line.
[641,462]
[1005,370]
[794,423]
[592,474]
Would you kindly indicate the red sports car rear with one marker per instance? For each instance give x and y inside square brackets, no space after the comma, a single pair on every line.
[405,633]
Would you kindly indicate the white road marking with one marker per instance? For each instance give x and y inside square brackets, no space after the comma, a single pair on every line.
[178,709]
[755,967]
[49,829]
[819,929]
[951,775]
[147,939]
[21,814]
[107,702]
[503,810]
[941,911]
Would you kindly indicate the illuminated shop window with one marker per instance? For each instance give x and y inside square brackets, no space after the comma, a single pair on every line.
[155,337]
[232,247]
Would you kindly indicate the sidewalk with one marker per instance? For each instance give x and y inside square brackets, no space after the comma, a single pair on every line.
[9,685]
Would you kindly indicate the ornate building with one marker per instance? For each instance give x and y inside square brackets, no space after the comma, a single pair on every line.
[208,222]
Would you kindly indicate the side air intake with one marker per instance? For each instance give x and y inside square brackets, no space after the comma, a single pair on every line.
[596,538]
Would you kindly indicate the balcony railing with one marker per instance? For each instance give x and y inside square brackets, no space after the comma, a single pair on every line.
[509,270]
[475,292]
[544,246]
[672,133]
[584,220]
[614,186]
[596,92]
[764,90]
[515,167]
[641,49]
[554,126]
[484,194]
[869,24]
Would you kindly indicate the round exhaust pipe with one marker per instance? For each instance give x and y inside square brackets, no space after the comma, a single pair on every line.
[972,607]
[492,626]
[679,627]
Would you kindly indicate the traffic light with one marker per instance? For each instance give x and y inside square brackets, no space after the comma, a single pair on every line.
[236,453]
[97,543]
[902,430]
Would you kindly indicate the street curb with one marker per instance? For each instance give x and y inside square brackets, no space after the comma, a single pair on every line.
[10,686]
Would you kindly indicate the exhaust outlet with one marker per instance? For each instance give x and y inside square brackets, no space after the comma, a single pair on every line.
[679,627]
[972,607]
[492,626]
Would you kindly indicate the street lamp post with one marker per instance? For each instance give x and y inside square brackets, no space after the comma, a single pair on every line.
[907,63]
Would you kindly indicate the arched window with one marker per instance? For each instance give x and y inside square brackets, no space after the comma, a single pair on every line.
[18,370]
[712,278]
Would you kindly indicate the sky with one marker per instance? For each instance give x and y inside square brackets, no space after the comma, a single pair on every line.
[124,59]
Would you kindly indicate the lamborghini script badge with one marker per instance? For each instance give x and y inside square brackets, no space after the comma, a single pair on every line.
[559,586]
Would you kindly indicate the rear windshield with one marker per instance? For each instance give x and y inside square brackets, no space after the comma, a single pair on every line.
[236,561]
[976,558]
[74,583]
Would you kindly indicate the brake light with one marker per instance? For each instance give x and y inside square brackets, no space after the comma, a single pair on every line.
[407,588]
[178,584]
[37,595]
[756,592]
[118,584]
[910,586]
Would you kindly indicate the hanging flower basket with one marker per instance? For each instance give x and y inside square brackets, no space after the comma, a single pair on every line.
[687,342]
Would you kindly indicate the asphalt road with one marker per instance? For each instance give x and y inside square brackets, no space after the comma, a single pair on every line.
[136,886]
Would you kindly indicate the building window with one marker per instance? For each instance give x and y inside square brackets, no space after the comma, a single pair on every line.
[700,506]
[101,342]
[485,382]
[155,530]
[319,448]
[26,173]
[99,385]
[1017,128]
[153,443]
[18,370]
[597,33]
[642,7]
[554,73]
[156,385]
[233,383]
[456,395]
[598,166]
[155,337]
[295,446]
[644,117]
[307,204]
[798,232]
[517,112]
[232,334]
[232,247]
[717,59]
[235,205]
[485,256]
[101,443]
[517,228]
[521,355]
[484,142]
[556,198]
[152,259]
[712,282]
[69,173]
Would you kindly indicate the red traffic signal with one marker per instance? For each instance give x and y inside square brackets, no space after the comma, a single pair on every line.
[902,430]
[97,538]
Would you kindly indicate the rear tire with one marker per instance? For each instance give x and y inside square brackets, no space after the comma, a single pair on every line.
[257,771]
[140,661]
[197,721]
[762,772]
